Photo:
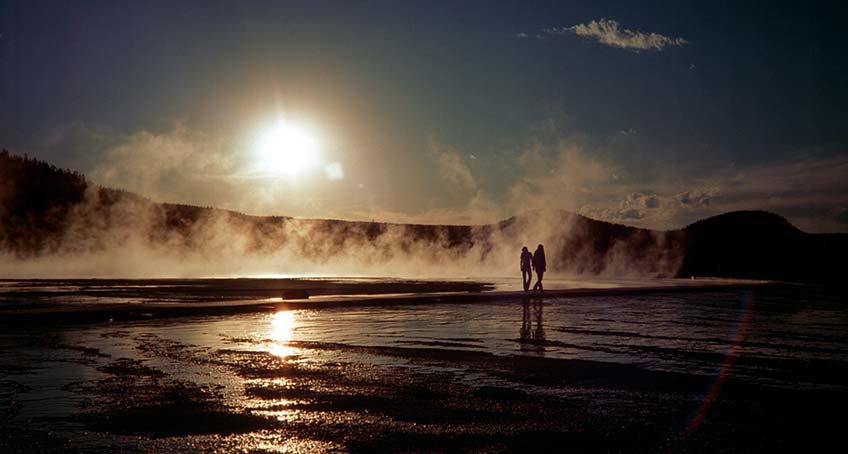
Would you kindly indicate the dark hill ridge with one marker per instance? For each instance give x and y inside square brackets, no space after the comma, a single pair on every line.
[757,244]
[46,210]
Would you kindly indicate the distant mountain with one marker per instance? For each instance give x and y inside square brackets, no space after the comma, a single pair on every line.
[757,244]
[50,212]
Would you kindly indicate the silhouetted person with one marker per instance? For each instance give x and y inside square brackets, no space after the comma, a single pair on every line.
[526,268]
[539,264]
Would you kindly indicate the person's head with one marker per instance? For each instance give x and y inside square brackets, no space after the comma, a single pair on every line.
[541,247]
[524,249]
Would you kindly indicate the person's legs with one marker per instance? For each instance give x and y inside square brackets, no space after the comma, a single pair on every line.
[539,281]
[526,279]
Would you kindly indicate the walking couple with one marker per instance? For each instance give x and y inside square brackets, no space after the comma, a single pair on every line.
[530,262]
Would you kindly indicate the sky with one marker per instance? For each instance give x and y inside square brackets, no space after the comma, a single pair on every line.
[654,114]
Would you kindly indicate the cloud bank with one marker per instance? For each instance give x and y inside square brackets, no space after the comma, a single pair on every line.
[810,191]
[609,32]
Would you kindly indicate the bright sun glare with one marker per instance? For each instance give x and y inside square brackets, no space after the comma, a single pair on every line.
[287,148]
[282,325]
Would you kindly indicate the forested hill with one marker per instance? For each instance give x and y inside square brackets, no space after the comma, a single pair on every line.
[48,211]
[36,201]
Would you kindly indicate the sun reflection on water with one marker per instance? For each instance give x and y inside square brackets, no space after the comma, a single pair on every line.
[282,326]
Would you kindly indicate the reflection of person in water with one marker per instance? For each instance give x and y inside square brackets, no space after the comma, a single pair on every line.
[532,338]
[526,323]
[538,333]
[526,268]
[540,265]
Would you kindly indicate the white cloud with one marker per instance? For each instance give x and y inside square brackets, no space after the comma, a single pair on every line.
[632,208]
[697,197]
[609,32]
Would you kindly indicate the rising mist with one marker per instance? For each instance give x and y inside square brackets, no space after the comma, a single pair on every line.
[56,224]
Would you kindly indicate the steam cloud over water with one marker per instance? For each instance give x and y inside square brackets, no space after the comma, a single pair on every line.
[117,234]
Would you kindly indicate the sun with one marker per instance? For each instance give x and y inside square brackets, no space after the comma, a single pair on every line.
[287,148]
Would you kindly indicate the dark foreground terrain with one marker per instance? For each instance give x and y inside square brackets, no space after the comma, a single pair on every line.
[360,407]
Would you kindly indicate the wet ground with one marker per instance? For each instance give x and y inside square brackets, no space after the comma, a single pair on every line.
[58,301]
[718,371]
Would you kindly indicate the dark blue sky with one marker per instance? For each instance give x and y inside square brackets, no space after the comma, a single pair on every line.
[403,88]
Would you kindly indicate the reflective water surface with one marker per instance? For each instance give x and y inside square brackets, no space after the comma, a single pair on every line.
[313,380]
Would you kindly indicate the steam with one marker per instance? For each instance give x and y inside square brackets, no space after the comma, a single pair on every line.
[117,234]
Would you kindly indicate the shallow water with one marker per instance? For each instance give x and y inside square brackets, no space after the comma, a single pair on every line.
[22,294]
[791,339]
[689,333]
